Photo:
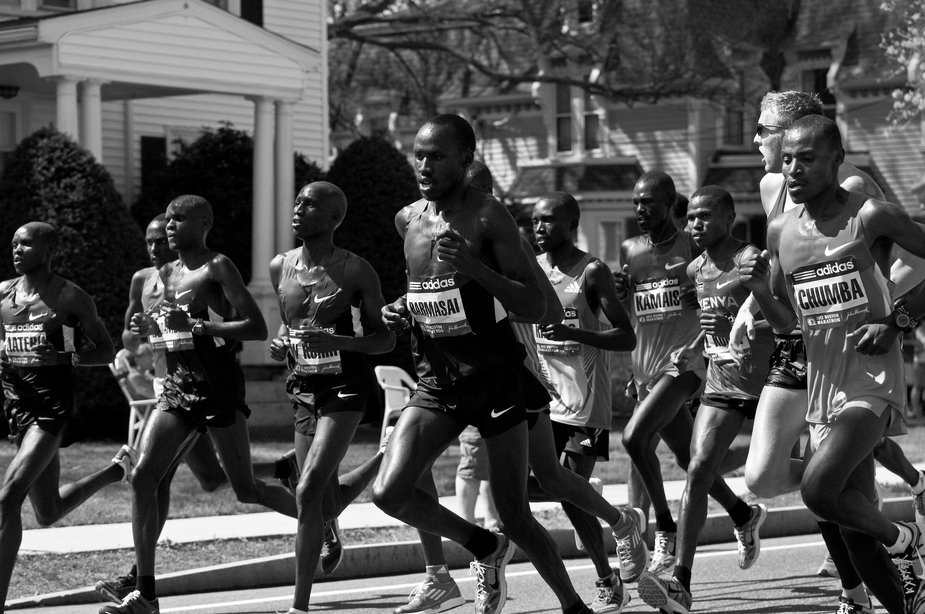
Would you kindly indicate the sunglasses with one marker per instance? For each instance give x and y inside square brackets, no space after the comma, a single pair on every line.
[761,128]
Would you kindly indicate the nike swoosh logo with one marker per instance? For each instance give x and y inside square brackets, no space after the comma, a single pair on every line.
[179,294]
[835,250]
[346,395]
[36,316]
[319,299]
[668,267]
[879,378]
[496,414]
[723,285]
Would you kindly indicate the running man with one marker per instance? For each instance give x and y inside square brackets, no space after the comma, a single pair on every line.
[655,284]
[830,258]
[146,293]
[206,305]
[781,414]
[575,368]
[46,321]
[731,392]
[316,285]
[466,270]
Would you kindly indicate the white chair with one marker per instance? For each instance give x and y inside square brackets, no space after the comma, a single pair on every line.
[139,409]
[398,387]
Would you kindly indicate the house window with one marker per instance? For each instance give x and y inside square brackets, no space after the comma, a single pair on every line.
[585,11]
[252,11]
[563,118]
[153,157]
[816,80]
[58,4]
[610,236]
[592,125]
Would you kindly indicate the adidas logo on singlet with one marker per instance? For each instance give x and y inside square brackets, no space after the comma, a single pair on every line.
[573,288]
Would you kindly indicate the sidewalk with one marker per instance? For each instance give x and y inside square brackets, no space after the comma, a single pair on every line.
[360,560]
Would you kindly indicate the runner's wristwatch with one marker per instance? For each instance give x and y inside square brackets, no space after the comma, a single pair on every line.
[903,320]
[199,328]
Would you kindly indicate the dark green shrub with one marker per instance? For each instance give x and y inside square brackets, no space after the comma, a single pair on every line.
[378,181]
[219,167]
[50,178]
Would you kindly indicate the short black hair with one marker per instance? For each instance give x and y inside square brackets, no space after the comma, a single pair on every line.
[718,195]
[566,201]
[824,130]
[679,208]
[479,177]
[465,136]
[657,179]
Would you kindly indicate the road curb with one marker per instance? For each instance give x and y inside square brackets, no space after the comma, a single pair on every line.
[392,558]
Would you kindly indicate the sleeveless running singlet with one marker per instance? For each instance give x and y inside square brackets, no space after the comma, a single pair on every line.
[459,325]
[724,294]
[26,325]
[577,374]
[662,321]
[152,295]
[835,286]
[312,300]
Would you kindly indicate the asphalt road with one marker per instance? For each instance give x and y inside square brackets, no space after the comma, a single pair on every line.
[783,580]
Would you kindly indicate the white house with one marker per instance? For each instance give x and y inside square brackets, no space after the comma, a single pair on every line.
[126,79]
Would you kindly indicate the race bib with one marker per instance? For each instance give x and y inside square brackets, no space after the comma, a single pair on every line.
[558,348]
[169,339]
[436,305]
[830,294]
[658,300]
[308,362]
[20,339]
[717,348]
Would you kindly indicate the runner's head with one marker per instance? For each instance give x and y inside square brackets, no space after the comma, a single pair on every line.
[34,244]
[679,211]
[811,152]
[653,197]
[710,214]
[443,150]
[156,240]
[778,112]
[320,208]
[189,219]
[479,177]
[555,220]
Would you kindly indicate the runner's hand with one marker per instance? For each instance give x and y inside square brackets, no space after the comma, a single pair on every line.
[874,338]
[621,280]
[452,248]
[320,341]
[754,271]
[688,296]
[46,353]
[715,323]
[178,320]
[742,329]
[556,332]
[396,316]
[142,325]
[279,347]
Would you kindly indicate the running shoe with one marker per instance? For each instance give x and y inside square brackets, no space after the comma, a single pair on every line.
[663,557]
[291,482]
[332,551]
[918,503]
[434,594]
[126,458]
[827,569]
[848,606]
[116,589]
[631,547]
[598,486]
[910,565]
[491,589]
[133,603]
[666,596]
[610,595]
[749,541]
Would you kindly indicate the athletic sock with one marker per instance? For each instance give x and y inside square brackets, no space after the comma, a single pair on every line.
[683,575]
[740,513]
[902,542]
[145,586]
[577,608]
[482,543]
[282,469]
[838,550]
[920,485]
[435,571]
[664,522]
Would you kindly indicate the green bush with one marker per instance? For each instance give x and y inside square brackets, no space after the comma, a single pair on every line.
[378,181]
[219,167]
[49,178]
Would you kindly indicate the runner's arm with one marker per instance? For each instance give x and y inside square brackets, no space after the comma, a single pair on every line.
[79,304]
[602,293]
[250,326]
[554,312]
[130,341]
[371,302]
[763,276]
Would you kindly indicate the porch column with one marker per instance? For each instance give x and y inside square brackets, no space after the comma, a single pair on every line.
[91,118]
[66,106]
[285,175]
[263,235]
